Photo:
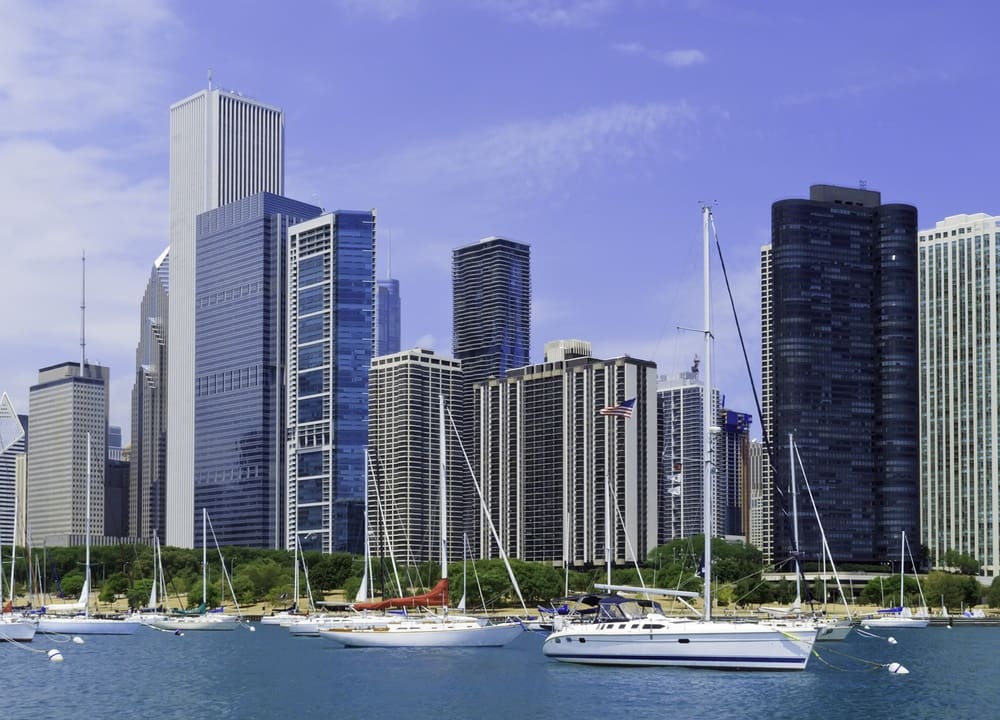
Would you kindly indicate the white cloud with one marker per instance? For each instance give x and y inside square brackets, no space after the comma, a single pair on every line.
[565,13]
[671,58]
[388,10]
[529,156]
[66,66]
[77,83]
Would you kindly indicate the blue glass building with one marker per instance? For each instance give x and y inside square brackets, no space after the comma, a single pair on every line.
[389,317]
[239,368]
[331,341]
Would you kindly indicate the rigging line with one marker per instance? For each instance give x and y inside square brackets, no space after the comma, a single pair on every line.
[746,358]
[628,540]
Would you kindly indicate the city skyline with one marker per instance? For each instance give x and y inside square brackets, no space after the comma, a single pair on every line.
[592,141]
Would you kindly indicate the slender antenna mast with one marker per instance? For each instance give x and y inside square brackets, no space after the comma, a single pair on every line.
[83,316]
[210,78]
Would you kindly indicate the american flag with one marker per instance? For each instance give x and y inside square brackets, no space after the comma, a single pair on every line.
[623,409]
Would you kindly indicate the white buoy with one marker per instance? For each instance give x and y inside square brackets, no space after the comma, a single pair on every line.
[897,669]
[892,640]
[55,655]
[253,629]
[78,640]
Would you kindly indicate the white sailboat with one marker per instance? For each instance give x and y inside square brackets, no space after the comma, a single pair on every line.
[200,619]
[616,637]
[14,627]
[83,624]
[901,616]
[430,630]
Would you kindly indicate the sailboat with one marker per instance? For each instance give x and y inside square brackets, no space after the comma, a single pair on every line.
[201,618]
[14,627]
[827,628]
[83,624]
[618,637]
[901,616]
[432,630]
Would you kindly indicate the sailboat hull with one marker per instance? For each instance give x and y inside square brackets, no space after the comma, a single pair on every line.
[897,622]
[86,626]
[208,621]
[684,643]
[427,634]
[16,629]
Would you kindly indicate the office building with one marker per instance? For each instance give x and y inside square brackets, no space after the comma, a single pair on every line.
[388,317]
[404,516]
[64,407]
[331,341]
[558,474]
[491,307]
[148,465]
[239,456]
[960,389]
[13,445]
[732,470]
[840,370]
[223,147]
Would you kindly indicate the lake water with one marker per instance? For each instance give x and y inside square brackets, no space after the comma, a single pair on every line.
[270,674]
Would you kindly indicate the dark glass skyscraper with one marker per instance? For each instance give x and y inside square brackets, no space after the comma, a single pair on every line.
[239,368]
[491,309]
[840,370]
[389,317]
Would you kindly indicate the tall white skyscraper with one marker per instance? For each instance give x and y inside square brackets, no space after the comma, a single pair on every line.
[960,389]
[223,147]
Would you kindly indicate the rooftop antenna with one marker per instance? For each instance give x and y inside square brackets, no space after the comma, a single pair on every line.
[863,184]
[210,78]
[83,316]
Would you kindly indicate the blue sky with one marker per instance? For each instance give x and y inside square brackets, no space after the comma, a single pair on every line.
[590,129]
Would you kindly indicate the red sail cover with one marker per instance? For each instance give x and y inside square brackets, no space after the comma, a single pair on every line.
[436,597]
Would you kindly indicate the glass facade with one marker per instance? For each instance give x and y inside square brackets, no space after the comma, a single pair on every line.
[239,368]
[389,316]
[842,329]
[331,340]
[491,309]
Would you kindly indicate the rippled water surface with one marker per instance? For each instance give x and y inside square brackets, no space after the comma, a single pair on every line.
[270,674]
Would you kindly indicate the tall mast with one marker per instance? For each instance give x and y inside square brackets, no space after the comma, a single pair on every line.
[795,519]
[204,558]
[444,506]
[86,584]
[706,214]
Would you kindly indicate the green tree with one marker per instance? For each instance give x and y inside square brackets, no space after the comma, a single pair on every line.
[965,564]
[993,594]
[116,584]
[138,594]
[953,591]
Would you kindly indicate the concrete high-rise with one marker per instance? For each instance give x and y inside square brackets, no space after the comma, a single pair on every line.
[491,307]
[223,147]
[148,466]
[405,447]
[239,427]
[63,408]
[13,444]
[840,371]
[331,342]
[960,389]
[388,316]
[557,473]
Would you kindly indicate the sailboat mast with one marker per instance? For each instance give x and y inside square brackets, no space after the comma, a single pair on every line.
[902,572]
[86,562]
[795,519]
[204,558]
[444,507]
[706,214]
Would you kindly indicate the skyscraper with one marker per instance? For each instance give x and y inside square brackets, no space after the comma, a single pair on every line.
[840,329]
[405,447]
[63,408]
[331,342]
[148,466]
[240,368]
[557,473]
[491,307]
[960,389]
[388,315]
[223,147]
[681,437]
[13,443]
